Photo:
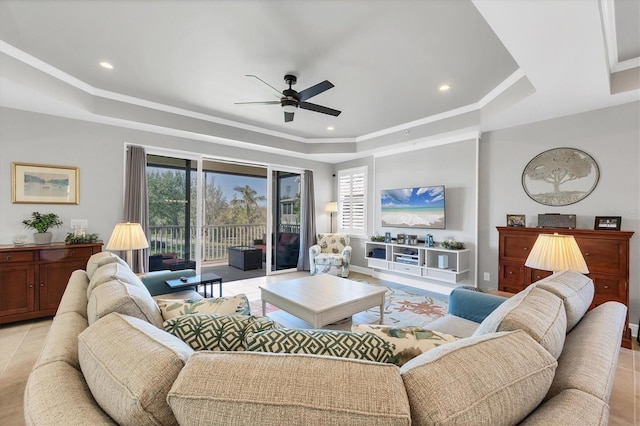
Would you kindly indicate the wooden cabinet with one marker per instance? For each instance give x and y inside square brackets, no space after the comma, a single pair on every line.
[33,278]
[605,252]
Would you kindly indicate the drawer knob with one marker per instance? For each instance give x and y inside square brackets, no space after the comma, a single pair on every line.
[30,285]
[41,284]
[586,254]
[526,248]
[510,272]
[606,286]
[537,277]
[8,258]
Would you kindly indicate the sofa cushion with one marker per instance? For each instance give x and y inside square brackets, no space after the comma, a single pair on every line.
[455,326]
[571,407]
[117,296]
[536,311]
[57,394]
[596,337]
[275,389]
[171,308]
[212,332]
[61,343]
[408,342]
[491,379]
[333,243]
[344,344]
[329,259]
[113,271]
[74,298]
[130,365]
[574,289]
[100,259]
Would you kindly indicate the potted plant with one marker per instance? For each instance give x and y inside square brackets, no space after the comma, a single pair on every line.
[42,223]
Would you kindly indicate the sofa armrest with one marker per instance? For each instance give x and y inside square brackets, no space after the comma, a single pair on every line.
[473,305]
[155,281]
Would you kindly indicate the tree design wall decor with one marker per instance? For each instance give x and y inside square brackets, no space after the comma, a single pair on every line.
[560,176]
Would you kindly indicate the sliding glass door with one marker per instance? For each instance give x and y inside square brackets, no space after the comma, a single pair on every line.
[285,196]
[171,186]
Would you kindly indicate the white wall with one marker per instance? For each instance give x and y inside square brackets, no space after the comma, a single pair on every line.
[98,150]
[452,165]
[611,136]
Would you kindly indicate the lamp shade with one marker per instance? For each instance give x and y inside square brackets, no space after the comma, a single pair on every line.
[554,252]
[127,236]
[332,207]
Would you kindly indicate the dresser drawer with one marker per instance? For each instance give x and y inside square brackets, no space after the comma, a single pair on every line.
[612,288]
[536,275]
[16,256]
[406,269]
[517,247]
[604,255]
[67,253]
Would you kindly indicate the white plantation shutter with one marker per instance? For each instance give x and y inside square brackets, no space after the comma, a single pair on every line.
[352,199]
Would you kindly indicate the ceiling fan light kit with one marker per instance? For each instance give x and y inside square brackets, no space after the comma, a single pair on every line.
[291,100]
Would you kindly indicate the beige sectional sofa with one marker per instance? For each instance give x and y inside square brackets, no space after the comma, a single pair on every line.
[537,358]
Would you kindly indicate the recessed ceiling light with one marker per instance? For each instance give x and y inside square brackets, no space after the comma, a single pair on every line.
[444,87]
[107,65]
[330,128]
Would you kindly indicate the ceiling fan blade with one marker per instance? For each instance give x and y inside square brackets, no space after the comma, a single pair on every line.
[319,108]
[314,90]
[288,116]
[258,103]
[275,91]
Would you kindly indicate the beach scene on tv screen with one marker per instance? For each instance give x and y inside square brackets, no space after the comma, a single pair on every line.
[413,207]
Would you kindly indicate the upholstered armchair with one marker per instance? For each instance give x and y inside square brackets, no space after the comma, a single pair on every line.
[331,254]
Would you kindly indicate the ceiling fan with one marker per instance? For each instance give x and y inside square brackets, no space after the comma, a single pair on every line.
[290,100]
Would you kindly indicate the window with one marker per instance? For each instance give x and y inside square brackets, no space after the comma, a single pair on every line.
[352,200]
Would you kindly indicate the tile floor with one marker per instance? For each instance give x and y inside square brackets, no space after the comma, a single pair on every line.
[20,345]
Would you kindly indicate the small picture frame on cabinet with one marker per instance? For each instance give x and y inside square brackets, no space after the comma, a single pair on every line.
[608,223]
[516,220]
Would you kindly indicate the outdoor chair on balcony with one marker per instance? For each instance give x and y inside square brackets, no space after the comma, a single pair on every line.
[169,261]
[331,254]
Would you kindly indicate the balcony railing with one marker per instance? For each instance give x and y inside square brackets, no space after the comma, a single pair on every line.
[216,239]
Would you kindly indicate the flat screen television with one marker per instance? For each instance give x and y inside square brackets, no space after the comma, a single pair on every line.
[420,207]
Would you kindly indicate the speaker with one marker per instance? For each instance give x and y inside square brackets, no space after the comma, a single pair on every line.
[556,220]
[443,261]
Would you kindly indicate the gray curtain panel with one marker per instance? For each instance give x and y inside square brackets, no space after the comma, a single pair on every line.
[136,201]
[307,221]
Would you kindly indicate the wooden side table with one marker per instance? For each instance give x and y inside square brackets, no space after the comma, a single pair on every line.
[208,279]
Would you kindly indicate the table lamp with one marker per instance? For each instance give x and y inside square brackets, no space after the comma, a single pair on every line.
[554,252]
[331,208]
[127,237]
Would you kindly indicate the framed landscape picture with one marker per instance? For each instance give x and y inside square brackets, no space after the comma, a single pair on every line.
[44,184]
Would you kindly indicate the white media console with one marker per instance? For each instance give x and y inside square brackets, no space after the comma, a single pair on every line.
[435,263]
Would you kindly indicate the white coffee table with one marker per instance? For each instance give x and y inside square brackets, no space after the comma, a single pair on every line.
[322,299]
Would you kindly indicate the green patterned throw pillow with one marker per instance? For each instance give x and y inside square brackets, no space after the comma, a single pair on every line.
[171,308]
[216,332]
[408,342]
[344,344]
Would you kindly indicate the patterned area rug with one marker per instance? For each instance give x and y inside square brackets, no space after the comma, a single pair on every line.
[405,306]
